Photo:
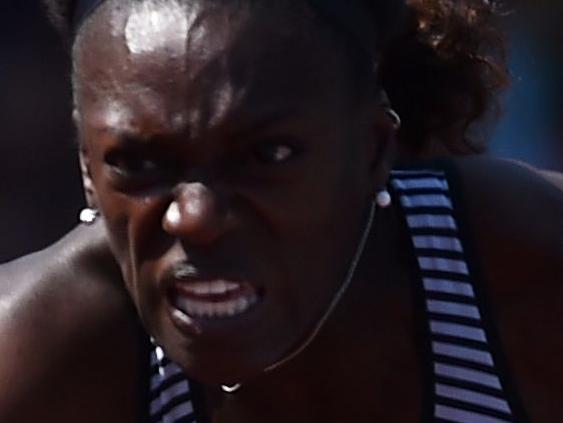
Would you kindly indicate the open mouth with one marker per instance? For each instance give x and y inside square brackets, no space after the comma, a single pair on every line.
[214,299]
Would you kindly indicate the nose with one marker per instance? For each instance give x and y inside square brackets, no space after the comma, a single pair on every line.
[196,215]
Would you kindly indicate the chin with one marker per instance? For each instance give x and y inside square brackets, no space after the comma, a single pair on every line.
[216,366]
[223,350]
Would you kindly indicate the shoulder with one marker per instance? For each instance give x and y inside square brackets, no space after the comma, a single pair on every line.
[514,218]
[513,214]
[509,180]
[70,288]
[62,317]
[514,211]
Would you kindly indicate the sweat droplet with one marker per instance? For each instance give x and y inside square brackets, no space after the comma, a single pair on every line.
[153,26]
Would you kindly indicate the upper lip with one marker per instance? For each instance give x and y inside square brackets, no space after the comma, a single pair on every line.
[185,272]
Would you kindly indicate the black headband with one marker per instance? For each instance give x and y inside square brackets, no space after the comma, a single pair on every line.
[82,10]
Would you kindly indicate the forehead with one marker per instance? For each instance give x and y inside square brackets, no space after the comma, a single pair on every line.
[206,59]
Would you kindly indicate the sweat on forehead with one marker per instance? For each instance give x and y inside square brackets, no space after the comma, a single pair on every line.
[199,30]
[361,18]
[367,24]
[177,27]
[197,64]
[150,25]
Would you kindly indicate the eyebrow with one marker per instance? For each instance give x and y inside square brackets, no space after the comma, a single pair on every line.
[264,121]
[239,126]
[127,137]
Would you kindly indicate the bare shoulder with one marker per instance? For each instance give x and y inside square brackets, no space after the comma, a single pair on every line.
[515,213]
[64,316]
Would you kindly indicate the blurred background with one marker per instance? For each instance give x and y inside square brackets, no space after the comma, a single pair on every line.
[40,193]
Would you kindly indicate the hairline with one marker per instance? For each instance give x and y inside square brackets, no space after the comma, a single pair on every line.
[362,66]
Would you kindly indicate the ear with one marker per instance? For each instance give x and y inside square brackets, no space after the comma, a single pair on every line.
[88,186]
[89,191]
[385,134]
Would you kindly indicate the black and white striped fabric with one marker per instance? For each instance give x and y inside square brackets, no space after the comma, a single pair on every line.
[170,392]
[467,385]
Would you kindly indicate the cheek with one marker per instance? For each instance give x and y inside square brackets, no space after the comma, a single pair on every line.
[319,222]
[139,242]
[113,208]
[320,235]
[134,226]
[325,205]
[130,219]
[324,238]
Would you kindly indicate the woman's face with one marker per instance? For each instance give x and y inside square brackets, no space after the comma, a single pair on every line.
[233,165]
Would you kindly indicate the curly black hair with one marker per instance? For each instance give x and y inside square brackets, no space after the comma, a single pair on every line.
[443,70]
[446,71]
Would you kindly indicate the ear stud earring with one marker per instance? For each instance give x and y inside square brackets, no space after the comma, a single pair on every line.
[383,199]
[88,216]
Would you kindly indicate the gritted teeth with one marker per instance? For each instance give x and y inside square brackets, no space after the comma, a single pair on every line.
[218,287]
[199,308]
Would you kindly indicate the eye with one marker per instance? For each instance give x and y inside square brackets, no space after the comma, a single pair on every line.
[133,164]
[274,152]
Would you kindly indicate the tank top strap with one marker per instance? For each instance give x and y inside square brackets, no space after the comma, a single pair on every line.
[172,397]
[466,381]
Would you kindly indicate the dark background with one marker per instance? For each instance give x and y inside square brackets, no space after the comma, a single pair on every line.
[40,193]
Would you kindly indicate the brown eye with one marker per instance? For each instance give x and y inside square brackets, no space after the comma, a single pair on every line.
[131,164]
[274,152]
[134,165]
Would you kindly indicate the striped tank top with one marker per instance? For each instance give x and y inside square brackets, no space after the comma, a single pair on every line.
[465,376]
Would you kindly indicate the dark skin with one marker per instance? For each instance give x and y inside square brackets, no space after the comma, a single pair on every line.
[265,212]
[66,318]
[213,153]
